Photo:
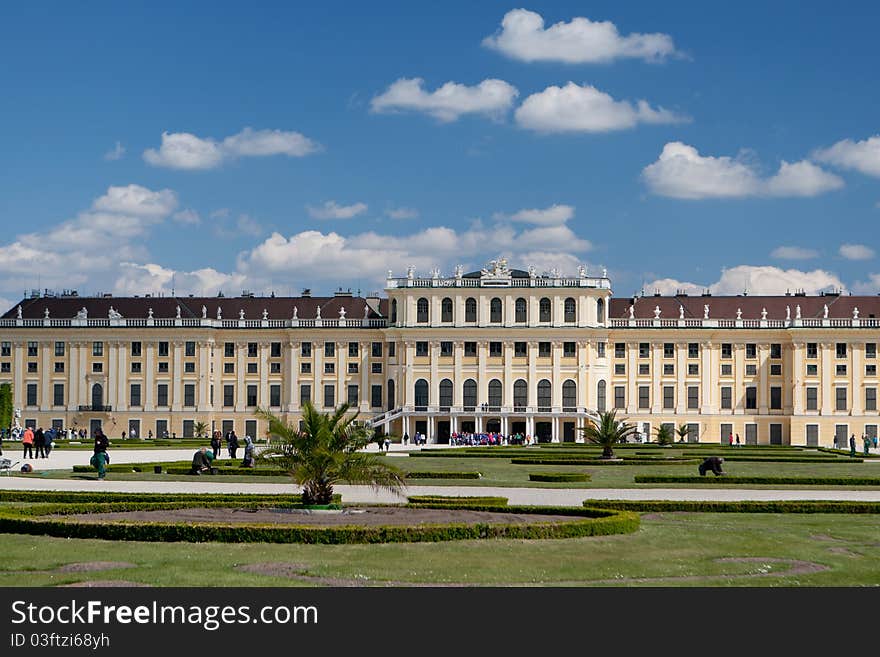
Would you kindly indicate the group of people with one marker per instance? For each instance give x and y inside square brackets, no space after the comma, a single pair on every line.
[39,440]
[203,458]
[867,443]
[731,442]
[490,438]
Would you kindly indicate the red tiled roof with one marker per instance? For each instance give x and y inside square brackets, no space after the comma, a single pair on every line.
[751,306]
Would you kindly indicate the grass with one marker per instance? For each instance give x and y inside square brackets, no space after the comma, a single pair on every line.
[681,549]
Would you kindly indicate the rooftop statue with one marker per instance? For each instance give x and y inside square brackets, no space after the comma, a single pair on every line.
[204,313]
[656,312]
[177,313]
[797,311]
[632,310]
[18,312]
[856,312]
[705,311]
[825,312]
[763,313]
[46,313]
[150,313]
[739,313]
[342,312]
[787,313]
[295,311]
[318,314]
[265,314]
[219,313]
[83,313]
[496,268]
[113,314]
[241,314]
[680,311]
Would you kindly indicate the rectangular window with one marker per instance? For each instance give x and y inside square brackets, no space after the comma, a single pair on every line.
[421,348]
[163,348]
[446,349]
[775,369]
[32,367]
[6,367]
[32,349]
[329,368]
[812,350]
[871,399]
[162,394]
[229,349]
[751,370]
[275,368]
[776,398]
[668,397]
[189,429]
[376,349]
[329,395]
[693,350]
[59,366]
[228,395]
[644,369]
[59,348]
[391,349]
[870,350]
[96,367]
[619,350]
[275,395]
[619,396]
[840,399]
[726,350]
[229,368]
[751,350]
[252,349]
[305,368]
[58,394]
[376,396]
[305,393]
[275,350]
[644,397]
[569,349]
[644,350]
[134,394]
[600,350]
[840,370]
[163,366]
[136,349]
[726,397]
[727,370]
[353,368]
[376,368]
[619,368]
[306,349]
[812,399]
[352,349]
[470,349]
[775,350]
[494,350]
[668,350]
[870,370]
[189,368]
[352,395]
[329,349]
[693,369]
[251,395]
[544,350]
[812,370]
[668,369]
[189,349]
[31,399]
[840,351]
[97,349]
[5,348]
[693,393]
[812,435]
[751,397]
[189,395]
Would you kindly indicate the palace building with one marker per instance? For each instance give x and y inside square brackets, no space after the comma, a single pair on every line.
[508,350]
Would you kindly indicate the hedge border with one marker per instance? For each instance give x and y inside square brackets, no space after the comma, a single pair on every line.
[726,479]
[40,496]
[749,506]
[443,475]
[559,476]
[485,500]
[552,461]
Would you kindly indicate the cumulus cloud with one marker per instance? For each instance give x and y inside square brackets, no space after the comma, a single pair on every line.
[793,253]
[332,210]
[575,108]
[138,201]
[243,225]
[523,36]
[183,150]
[189,217]
[115,153]
[862,156]
[756,280]
[871,286]
[152,278]
[402,213]
[856,252]
[681,172]
[491,97]
[554,215]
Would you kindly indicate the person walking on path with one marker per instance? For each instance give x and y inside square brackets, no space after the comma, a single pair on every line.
[216,444]
[40,443]
[232,444]
[248,461]
[27,443]
[852,445]
[867,444]
[49,440]
[100,458]
[730,440]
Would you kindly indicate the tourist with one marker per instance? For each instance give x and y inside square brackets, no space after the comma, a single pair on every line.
[387,444]
[737,440]
[216,444]
[713,463]
[100,457]
[232,443]
[867,444]
[201,462]
[730,439]
[48,441]
[27,443]
[248,461]
[852,445]
[405,438]
[40,443]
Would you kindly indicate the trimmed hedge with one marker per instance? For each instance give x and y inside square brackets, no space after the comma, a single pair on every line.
[178,469]
[790,459]
[845,452]
[726,479]
[558,476]
[552,461]
[443,475]
[585,522]
[771,506]
[453,499]
[105,497]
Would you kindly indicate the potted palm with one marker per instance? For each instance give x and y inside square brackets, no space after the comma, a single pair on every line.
[606,431]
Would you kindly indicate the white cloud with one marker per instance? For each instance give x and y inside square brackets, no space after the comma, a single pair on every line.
[863,156]
[871,286]
[182,150]
[138,201]
[554,215]
[757,280]
[856,252]
[523,36]
[492,98]
[243,225]
[681,172]
[793,253]
[116,153]
[574,108]
[190,217]
[332,210]
[220,213]
[152,278]
[5,304]
[402,213]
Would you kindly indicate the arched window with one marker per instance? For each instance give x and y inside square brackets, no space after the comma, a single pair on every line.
[446,310]
[520,395]
[544,395]
[421,394]
[445,394]
[495,311]
[569,396]
[494,394]
[600,397]
[422,311]
[544,310]
[470,394]
[522,312]
[390,394]
[570,311]
[600,311]
[470,310]
[394,311]
[97,396]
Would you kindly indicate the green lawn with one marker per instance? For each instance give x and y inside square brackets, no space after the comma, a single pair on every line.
[670,549]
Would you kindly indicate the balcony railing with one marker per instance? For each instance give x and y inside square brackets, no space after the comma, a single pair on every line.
[95,409]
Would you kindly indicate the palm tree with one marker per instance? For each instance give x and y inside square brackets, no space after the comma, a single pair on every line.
[325,451]
[682,432]
[606,431]
[200,428]
[665,435]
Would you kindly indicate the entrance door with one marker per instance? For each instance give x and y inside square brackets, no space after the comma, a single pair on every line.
[468,426]
[443,431]
[162,429]
[775,434]
[518,428]
[693,433]
[134,428]
[250,429]
[97,397]
[751,434]
[726,430]
[544,431]
[422,428]
[227,426]
[94,425]
[840,438]
[493,426]
[568,432]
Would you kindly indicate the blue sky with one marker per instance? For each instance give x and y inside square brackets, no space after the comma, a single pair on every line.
[277,146]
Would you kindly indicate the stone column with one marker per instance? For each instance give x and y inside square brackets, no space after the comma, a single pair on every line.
[826,375]
[121,403]
[434,379]
[177,375]
[763,365]
[708,380]
[73,377]
[292,366]
[856,372]
[532,378]
[458,378]
[584,357]
[18,387]
[556,377]
[364,368]
[240,380]
[263,390]
[739,387]
[656,377]
[680,378]
[149,391]
[632,372]
[507,380]
[47,397]
[407,395]
[482,377]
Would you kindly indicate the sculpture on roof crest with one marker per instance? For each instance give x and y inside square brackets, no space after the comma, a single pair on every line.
[797,311]
[18,312]
[763,313]
[113,314]
[825,311]
[496,268]
[856,312]
[83,313]
[739,313]
[656,312]
[204,313]
[705,311]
